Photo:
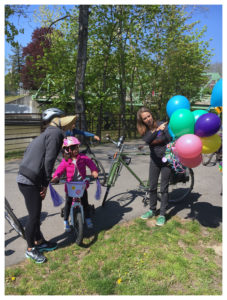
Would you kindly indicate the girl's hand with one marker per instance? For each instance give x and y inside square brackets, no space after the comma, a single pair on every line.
[94,174]
[54,180]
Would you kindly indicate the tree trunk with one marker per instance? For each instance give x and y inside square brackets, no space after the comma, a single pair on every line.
[81,64]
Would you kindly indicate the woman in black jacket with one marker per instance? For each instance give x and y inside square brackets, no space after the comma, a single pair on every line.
[35,173]
[156,135]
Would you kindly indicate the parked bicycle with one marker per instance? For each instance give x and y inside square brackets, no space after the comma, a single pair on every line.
[181,184]
[76,190]
[12,219]
[101,170]
[213,158]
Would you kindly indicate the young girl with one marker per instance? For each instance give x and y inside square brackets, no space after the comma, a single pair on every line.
[75,168]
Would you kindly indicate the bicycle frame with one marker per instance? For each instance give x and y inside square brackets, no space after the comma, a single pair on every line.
[76,203]
[118,164]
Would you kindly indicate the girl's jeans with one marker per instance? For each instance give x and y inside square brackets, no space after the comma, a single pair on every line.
[155,169]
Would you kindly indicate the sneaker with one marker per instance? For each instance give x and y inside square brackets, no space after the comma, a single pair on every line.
[35,255]
[147,215]
[67,226]
[160,221]
[46,246]
[89,223]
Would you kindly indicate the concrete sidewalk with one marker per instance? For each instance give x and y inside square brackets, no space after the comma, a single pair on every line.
[123,204]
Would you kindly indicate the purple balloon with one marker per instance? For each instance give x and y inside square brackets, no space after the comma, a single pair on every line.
[207,125]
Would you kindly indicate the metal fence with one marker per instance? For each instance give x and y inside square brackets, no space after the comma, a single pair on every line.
[21,129]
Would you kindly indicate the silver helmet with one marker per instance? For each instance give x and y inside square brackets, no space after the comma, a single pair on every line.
[50,113]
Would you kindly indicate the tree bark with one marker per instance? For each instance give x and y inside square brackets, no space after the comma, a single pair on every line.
[81,64]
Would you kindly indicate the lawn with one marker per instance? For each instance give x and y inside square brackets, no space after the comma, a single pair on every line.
[133,258]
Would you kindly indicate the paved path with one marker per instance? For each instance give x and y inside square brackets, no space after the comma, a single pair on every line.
[124,204]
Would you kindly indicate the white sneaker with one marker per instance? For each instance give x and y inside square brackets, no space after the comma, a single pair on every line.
[89,223]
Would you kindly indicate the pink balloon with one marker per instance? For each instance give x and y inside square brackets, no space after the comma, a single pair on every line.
[191,162]
[188,146]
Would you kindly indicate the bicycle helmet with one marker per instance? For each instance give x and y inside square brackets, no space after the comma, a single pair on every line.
[70,141]
[50,113]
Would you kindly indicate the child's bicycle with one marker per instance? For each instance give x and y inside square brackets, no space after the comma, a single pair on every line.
[180,186]
[76,190]
[12,219]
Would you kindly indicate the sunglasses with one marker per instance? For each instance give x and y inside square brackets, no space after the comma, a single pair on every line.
[73,147]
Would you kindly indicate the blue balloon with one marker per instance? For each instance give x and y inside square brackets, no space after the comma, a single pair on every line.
[216,96]
[177,102]
[171,133]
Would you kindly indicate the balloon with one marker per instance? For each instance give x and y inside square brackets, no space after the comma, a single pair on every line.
[191,162]
[171,132]
[216,96]
[207,125]
[177,102]
[182,122]
[199,112]
[188,146]
[211,143]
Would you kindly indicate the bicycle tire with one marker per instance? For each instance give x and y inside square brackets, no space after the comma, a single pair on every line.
[13,221]
[101,171]
[180,190]
[209,159]
[78,226]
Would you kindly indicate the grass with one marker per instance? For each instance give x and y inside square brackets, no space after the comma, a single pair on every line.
[12,98]
[134,258]
[14,155]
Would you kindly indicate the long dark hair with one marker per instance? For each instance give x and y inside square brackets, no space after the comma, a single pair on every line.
[141,126]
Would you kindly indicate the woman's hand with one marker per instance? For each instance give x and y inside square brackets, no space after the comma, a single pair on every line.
[43,192]
[94,174]
[162,126]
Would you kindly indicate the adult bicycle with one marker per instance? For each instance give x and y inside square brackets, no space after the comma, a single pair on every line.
[180,185]
[12,219]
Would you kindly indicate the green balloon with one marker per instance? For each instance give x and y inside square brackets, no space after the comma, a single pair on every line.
[197,113]
[182,122]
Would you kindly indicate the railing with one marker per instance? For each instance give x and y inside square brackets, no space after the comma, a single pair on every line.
[21,129]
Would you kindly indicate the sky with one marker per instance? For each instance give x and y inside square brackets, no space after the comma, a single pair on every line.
[209,15]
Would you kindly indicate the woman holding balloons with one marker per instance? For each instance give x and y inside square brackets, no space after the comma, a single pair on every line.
[156,135]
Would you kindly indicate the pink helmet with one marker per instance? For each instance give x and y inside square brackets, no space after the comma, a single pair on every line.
[70,141]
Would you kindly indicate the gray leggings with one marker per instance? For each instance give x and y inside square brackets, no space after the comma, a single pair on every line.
[157,167]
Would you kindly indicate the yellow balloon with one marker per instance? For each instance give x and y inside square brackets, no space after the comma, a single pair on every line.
[211,143]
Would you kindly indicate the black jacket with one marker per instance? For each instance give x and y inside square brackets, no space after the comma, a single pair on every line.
[162,137]
[40,155]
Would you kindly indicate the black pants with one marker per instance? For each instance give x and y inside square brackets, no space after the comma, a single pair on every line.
[84,202]
[157,167]
[33,202]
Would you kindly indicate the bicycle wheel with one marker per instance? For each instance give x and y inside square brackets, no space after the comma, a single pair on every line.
[101,171]
[181,186]
[209,159]
[13,221]
[78,225]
